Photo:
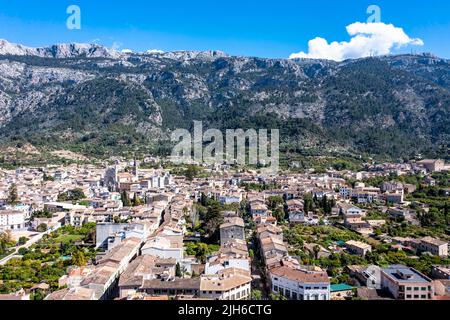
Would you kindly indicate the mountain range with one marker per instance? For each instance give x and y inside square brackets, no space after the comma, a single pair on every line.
[96,100]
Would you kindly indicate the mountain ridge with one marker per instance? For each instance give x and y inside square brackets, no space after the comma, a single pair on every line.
[91,99]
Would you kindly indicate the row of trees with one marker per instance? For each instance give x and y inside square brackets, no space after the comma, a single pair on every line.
[13,197]
[127,202]
[276,205]
[41,214]
[314,204]
[6,241]
[200,250]
[311,204]
[210,216]
[72,195]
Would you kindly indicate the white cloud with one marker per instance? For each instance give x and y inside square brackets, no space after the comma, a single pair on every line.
[127,51]
[367,39]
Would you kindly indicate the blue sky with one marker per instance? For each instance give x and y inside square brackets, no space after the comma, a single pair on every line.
[245,27]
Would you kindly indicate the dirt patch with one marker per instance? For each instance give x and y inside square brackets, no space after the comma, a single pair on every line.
[27,149]
[69,155]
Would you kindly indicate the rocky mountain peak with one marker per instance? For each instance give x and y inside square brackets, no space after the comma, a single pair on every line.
[70,50]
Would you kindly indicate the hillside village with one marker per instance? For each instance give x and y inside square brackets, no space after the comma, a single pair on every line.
[130,232]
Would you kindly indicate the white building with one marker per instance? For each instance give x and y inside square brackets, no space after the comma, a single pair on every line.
[434,246]
[12,220]
[358,247]
[347,209]
[161,247]
[405,283]
[108,270]
[229,199]
[298,284]
[226,287]
[297,217]
[258,209]
[221,262]
[345,192]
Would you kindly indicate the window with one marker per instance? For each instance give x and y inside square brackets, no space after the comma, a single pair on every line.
[424,296]
[416,296]
[288,293]
[424,288]
[408,288]
[275,288]
[416,289]
[408,296]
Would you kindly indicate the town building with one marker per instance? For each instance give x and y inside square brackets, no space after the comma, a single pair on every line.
[299,284]
[441,272]
[232,228]
[162,247]
[434,246]
[233,286]
[405,283]
[358,247]
[104,278]
[143,268]
[432,165]
[13,220]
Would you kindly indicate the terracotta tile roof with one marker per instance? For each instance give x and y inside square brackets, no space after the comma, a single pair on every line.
[300,275]
[218,283]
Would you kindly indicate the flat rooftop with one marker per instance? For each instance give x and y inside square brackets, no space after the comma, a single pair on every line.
[405,274]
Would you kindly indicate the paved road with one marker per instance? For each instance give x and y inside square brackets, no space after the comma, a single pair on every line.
[29,243]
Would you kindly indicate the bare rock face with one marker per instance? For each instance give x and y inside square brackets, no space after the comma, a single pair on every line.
[71,50]
[7,48]
[77,50]
[90,94]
